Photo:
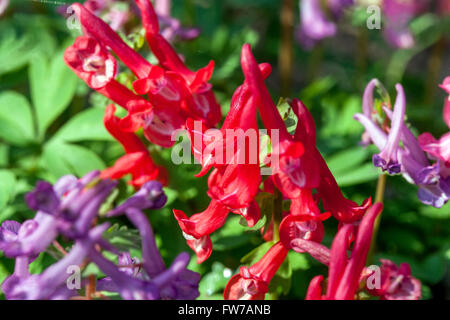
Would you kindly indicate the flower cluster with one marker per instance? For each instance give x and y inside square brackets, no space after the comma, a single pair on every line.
[69,210]
[401,152]
[318,19]
[299,175]
[163,96]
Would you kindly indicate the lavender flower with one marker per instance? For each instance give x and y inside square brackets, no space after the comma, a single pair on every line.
[314,25]
[401,152]
[398,14]
[150,196]
[3,5]
[70,208]
[51,283]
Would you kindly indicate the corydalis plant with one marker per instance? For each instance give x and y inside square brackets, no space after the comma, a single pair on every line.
[173,91]
[423,161]
[298,168]
[70,209]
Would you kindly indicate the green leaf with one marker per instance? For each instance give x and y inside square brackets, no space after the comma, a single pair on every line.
[86,125]
[298,261]
[7,184]
[256,253]
[433,268]
[346,160]
[436,213]
[230,235]
[214,281]
[281,282]
[123,238]
[61,158]
[53,85]
[365,173]
[16,122]
[15,51]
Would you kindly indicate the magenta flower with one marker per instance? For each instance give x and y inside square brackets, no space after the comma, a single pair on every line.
[344,273]
[397,283]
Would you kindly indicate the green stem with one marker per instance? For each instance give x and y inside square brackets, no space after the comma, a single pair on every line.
[434,67]
[285,57]
[277,214]
[379,196]
[361,56]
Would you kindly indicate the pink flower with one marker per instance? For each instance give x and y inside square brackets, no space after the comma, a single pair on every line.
[344,273]
[397,283]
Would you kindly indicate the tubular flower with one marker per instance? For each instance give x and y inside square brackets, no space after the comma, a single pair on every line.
[173,93]
[70,209]
[233,152]
[235,179]
[51,284]
[197,228]
[137,160]
[252,283]
[407,158]
[397,283]
[91,62]
[286,165]
[296,162]
[344,273]
[202,103]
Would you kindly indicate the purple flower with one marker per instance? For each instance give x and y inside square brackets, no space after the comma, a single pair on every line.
[50,284]
[401,152]
[71,205]
[314,25]
[174,283]
[43,198]
[149,196]
[398,14]
[387,158]
[31,238]
[171,27]
[69,208]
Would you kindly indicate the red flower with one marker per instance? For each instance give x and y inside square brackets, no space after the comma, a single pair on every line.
[290,172]
[202,104]
[91,62]
[252,283]
[197,228]
[137,160]
[173,93]
[344,273]
[343,209]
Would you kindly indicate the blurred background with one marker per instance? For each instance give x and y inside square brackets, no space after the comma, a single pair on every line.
[51,122]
